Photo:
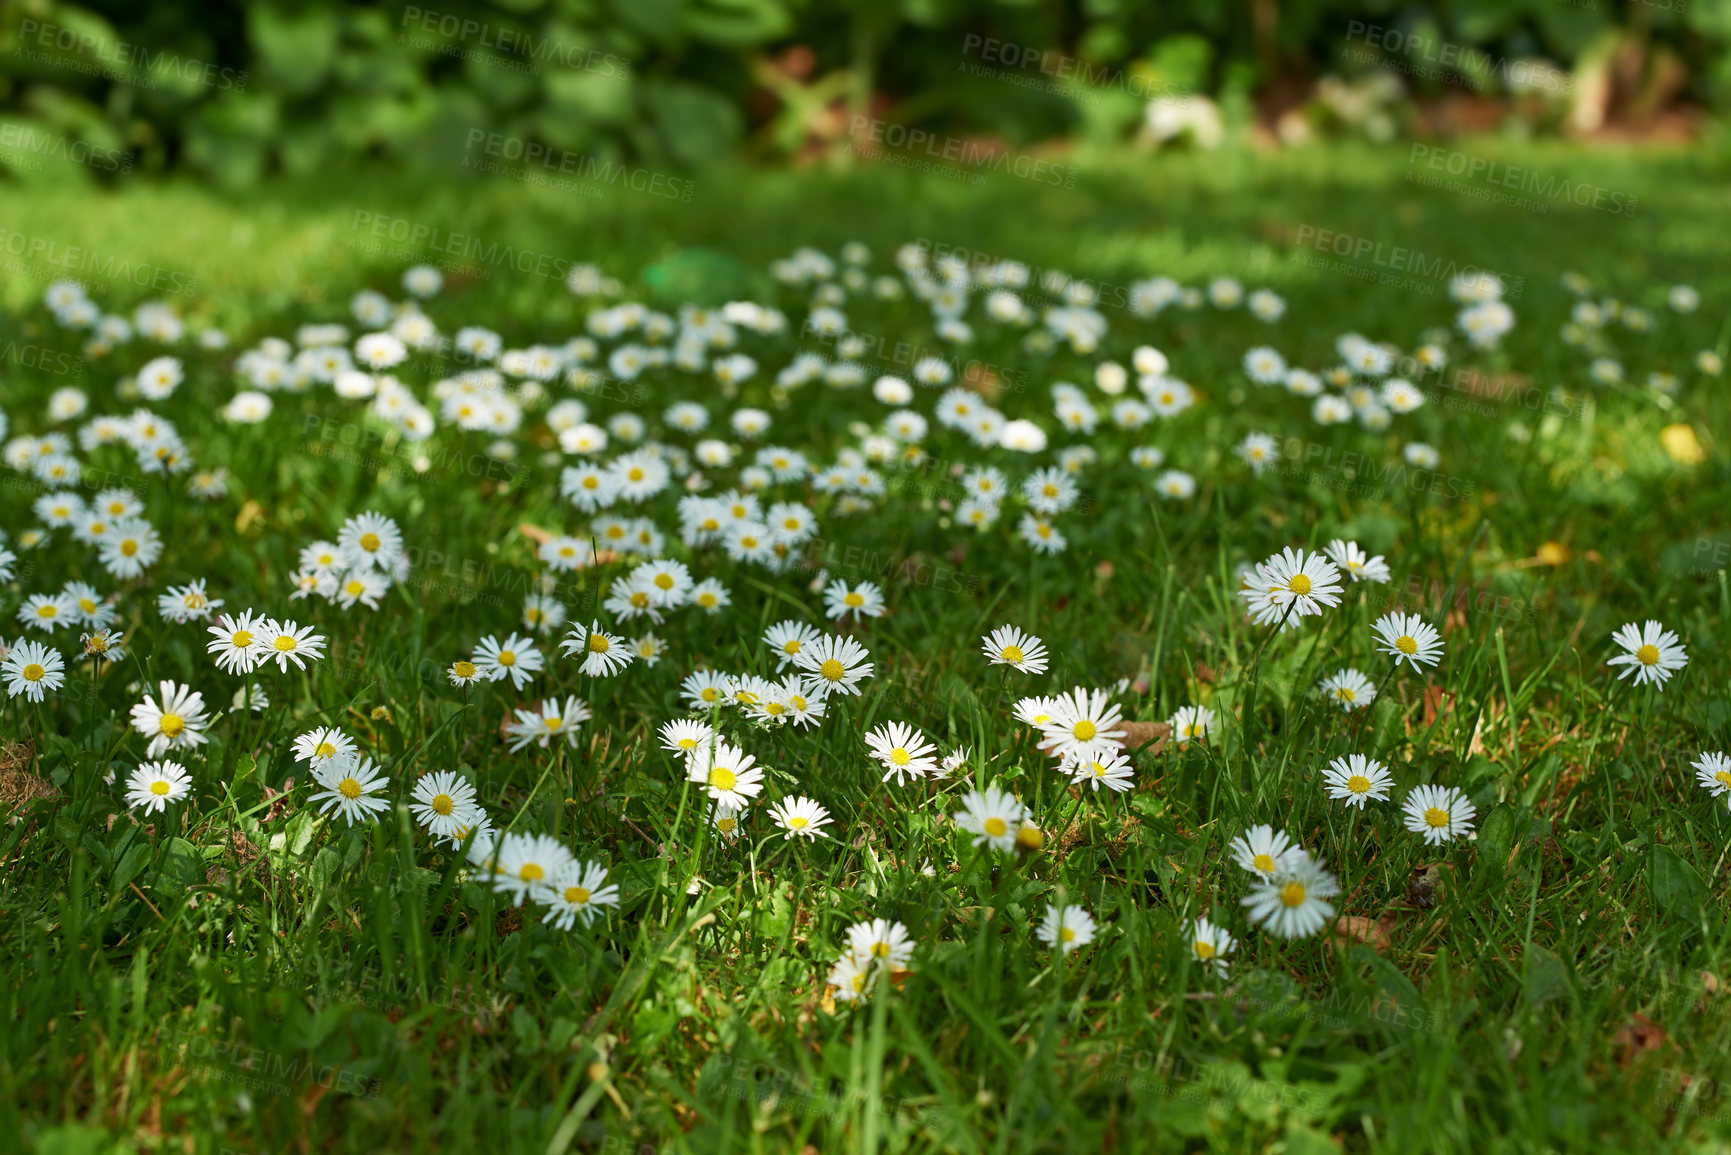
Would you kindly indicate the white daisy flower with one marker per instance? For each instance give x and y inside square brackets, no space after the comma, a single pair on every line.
[1067,928]
[800,817]
[153,785]
[993,816]
[729,773]
[349,787]
[176,723]
[1440,813]
[1260,850]
[575,893]
[1210,944]
[902,751]
[1292,902]
[1406,637]
[1652,653]
[1009,646]
[1355,779]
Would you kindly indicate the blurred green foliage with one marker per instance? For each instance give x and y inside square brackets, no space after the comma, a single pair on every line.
[235,91]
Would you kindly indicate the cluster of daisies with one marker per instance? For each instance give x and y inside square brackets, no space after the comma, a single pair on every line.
[1597,323]
[668,501]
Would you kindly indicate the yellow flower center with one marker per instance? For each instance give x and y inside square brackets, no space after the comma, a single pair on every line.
[285,643]
[34,673]
[1068,934]
[1263,862]
[507,657]
[355,588]
[1406,644]
[551,723]
[52,611]
[159,788]
[576,895]
[370,542]
[799,822]
[598,644]
[1204,949]
[722,778]
[773,708]
[1292,894]
[1299,584]
[171,724]
[349,788]
[324,750]
[996,827]
[464,669]
[1436,818]
[1083,730]
[710,694]
[1358,784]
[900,756]
[1345,694]
[854,600]
[832,670]
[640,600]
[531,872]
[859,982]
[791,646]
[1012,654]
[442,804]
[1724,777]
[97,644]
[1649,655]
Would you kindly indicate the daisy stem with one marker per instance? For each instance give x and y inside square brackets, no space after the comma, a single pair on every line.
[1062,830]
[1249,723]
[1370,708]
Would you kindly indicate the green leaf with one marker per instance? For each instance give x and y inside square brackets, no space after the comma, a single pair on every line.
[1496,837]
[1547,976]
[132,863]
[1676,886]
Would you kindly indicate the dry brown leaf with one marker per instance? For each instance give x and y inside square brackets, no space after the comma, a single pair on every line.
[1140,734]
[1637,1037]
[1360,929]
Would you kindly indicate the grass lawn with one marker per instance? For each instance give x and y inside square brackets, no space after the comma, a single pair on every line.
[240,973]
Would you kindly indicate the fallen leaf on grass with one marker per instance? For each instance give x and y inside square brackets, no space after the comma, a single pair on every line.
[1372,933]
[1139,734]
[1637,1037]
